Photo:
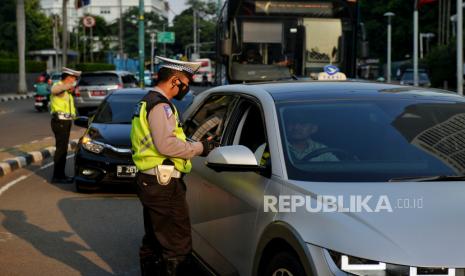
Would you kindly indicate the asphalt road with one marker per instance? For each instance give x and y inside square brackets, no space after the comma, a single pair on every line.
[20,123]
[50,229]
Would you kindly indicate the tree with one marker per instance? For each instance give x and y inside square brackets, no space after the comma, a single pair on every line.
[38,28]
[152,23]
[372,12]
[21,31]
[206,23]
[64,37]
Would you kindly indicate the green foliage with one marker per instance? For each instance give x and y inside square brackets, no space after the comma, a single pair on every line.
[372,14]
[152,23]
[11,66]
[38,27]
[442,64]
[89,67]
[206,20]
[102,37]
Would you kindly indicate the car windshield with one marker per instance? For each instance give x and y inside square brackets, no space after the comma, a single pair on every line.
[117,109]
[372,140]
[99,79]
[409,76]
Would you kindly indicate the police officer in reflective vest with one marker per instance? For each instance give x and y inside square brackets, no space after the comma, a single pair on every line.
[63,113]
[162,156]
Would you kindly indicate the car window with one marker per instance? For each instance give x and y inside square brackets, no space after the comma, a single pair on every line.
[129,81]
[117,109]
[98,79]
[249,130]
[367,140]
[210,118]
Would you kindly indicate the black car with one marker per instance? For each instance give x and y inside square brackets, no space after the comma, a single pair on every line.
[103,155]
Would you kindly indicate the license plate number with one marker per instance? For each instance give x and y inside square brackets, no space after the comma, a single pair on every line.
[98,93]
[126,171]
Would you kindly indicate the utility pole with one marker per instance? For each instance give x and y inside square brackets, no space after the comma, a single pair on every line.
[195,33]
[460,47]
[64,37]
[91,46]
[389,15]
[121,46]
[164,43]
[152,49]
[141,44]
[415,45]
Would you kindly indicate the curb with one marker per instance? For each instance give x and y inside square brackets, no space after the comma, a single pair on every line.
[16,97]
[9,165]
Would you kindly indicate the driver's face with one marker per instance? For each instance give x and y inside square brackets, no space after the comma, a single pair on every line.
[301,130]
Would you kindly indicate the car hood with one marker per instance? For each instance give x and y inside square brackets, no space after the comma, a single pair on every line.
[113,134]
[430,236]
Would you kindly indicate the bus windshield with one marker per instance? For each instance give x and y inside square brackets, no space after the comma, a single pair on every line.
[269,40]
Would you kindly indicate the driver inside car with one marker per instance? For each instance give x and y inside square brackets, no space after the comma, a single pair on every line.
[301,146]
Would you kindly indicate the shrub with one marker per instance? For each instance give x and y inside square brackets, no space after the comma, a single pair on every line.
[11,66]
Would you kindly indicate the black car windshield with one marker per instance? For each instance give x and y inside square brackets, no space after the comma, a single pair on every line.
[409,76]
[372,140]
[98,79]
[117,109]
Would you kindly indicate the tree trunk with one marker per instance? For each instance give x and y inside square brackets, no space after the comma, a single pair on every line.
[64,37]
[21,32]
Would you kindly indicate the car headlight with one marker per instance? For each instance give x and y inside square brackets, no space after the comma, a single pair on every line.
[359,266]
[91,145]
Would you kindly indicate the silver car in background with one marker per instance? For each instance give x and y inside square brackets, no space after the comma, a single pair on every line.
[402,144]
[94,86]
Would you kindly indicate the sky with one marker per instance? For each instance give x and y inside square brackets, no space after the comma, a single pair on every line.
[177,6]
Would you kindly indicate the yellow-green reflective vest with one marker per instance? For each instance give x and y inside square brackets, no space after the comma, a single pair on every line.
[62,104]
[144,153]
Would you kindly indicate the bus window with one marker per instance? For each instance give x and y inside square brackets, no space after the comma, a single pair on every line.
[323,37]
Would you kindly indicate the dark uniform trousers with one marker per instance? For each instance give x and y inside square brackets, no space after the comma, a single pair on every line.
[61,129]
[166,218]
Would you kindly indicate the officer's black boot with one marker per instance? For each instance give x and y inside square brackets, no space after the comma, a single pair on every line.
[150,262]
[151,266]
[171,267]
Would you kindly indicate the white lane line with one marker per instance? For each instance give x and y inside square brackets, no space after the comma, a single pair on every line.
[9,185]
[21,178]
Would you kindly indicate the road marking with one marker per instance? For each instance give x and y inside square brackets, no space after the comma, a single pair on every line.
[21,178]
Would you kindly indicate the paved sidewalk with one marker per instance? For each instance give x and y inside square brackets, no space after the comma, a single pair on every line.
[11,97]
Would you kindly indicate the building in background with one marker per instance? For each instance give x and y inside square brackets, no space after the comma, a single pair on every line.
[108,9]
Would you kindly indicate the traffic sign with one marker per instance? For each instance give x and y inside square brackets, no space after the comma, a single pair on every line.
[165,37]
[88,21]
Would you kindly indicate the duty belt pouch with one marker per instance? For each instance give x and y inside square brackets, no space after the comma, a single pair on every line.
[164,173]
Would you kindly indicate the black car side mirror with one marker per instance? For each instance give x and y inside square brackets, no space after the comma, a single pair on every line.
[82,121]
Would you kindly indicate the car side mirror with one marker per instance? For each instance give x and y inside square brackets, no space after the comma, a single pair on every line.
[233,158]
[82,121]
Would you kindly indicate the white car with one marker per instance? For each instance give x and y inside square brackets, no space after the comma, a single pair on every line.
[387,167]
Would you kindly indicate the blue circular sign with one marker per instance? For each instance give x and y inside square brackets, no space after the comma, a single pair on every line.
[331,70]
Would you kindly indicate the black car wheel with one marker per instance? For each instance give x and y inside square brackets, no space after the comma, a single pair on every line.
[81,187]
[284,264]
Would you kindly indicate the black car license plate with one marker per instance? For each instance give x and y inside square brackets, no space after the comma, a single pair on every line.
[126,171]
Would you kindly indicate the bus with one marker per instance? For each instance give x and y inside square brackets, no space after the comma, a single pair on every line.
[260,40]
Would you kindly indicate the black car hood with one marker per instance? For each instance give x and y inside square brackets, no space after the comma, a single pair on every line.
[112,134]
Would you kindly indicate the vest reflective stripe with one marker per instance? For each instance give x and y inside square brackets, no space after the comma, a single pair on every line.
[63,104]
[144,153]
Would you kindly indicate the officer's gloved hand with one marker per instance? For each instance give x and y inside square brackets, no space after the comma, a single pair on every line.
[208,145]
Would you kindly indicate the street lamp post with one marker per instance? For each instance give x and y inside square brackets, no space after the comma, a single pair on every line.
[389,15]
[141,43]
[460,47]
[428,36]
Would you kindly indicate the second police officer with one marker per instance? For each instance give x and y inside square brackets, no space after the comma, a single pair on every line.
[162,155]
[63,114]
